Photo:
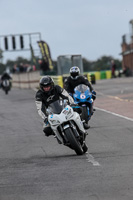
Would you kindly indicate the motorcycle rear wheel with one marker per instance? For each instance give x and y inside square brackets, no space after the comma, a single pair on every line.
[76,146]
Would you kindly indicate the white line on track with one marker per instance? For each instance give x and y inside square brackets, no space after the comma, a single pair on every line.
[92,160]
[130,119]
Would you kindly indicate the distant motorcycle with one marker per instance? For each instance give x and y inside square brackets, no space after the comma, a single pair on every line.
[83,97]
[6,85]
[67,126]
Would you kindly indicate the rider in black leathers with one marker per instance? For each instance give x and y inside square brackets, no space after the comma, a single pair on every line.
[5,76]
[47,94]
[76,79]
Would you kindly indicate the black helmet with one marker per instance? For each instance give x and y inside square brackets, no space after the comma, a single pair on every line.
[74,72]
[46,84]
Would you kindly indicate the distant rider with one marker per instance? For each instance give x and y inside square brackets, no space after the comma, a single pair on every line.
[5,76]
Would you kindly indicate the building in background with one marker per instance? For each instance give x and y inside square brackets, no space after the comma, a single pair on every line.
[127,50]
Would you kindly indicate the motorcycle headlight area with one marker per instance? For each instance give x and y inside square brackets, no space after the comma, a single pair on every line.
[82,96]
[68,113]
[54,122]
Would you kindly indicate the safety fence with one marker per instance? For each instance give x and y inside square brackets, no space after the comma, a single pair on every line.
[31,79]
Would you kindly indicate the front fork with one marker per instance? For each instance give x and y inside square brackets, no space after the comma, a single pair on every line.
[78,133]
[89,109]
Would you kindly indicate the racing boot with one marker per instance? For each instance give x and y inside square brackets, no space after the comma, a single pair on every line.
[86,126]
[85,147]
[48,131]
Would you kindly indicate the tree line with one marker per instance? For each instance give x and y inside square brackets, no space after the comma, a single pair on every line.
[102,63]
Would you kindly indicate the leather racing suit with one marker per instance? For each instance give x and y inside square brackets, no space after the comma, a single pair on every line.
[43,100]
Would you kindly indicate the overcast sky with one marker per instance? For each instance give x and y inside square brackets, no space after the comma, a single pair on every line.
[92,28]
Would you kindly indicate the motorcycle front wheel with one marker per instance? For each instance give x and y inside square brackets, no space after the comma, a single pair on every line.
[75,144]
[85,114]
[6,91]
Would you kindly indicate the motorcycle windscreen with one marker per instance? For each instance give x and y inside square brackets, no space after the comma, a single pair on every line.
[82,88]
[56,107]
[6,83]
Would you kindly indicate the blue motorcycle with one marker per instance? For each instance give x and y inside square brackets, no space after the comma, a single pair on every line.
[83,97]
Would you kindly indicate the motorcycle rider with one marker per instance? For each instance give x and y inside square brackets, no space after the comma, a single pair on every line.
[5,76]
[76,79]
[48,93]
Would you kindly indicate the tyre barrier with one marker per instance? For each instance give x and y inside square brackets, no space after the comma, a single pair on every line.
[93,79]
[103,75]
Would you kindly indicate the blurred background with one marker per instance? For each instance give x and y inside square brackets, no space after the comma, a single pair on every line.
[43,35]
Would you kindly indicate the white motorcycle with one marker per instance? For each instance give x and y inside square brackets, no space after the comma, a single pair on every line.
[67,126]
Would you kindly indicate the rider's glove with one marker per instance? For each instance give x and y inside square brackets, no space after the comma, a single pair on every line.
[73,105]
[71,94]
[93,95]
[46,121]
[76,108]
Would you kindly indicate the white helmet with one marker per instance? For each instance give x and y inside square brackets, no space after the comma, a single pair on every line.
[74,72]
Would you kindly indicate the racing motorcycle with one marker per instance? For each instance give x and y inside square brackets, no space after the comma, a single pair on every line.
[6,85]
[67,126]
[83,97]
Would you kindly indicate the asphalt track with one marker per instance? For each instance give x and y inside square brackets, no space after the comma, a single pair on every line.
[34,167]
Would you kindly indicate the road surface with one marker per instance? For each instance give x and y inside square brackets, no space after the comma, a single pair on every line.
[35,167]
